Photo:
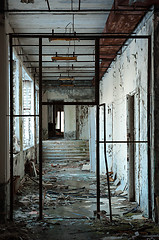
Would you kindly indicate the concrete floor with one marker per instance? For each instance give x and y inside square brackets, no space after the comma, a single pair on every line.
[69,207]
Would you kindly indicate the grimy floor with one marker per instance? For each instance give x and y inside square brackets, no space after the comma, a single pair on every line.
[69,207]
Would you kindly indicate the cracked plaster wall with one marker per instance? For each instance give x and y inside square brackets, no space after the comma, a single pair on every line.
[128,75]
[82,122]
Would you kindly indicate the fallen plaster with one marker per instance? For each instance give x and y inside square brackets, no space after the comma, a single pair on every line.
[69,207]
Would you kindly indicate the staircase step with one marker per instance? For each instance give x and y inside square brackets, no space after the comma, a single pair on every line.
[62,150]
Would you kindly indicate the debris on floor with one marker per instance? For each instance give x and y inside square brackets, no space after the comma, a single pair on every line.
[69,207]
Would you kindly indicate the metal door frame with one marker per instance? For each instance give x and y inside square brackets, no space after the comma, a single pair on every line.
[96,38]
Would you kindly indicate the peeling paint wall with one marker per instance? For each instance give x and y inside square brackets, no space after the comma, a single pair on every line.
[20,160]
[128,75]
[70,122]
[82,122]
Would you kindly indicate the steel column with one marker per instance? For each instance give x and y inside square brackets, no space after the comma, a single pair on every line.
[35,127]
[106,164]
[40,129]
[79,5]
[11,128]
[97,123]
[149,85]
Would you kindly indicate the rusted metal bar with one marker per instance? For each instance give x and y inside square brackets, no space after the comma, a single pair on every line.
[69,103]
[71,72]
[11,128]
[149,86]
[106,163]
[79,5]
[58,76]
[23,115]
[74,67]
[97,124]
[81,36]
[77,54]
[76,10]
[66,71]
[124,141]
[40,130]
[65,45]
[35,120]
[31,61]
[130,148]
[67,85]
[57,45]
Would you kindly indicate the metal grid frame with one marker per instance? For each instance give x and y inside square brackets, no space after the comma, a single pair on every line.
[93,103]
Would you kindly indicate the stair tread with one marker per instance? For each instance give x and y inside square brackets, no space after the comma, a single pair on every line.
[61,150]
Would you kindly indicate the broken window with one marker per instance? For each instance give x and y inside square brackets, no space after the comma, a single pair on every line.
[28,109]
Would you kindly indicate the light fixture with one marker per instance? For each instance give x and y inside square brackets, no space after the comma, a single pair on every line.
[62,39]
[67,85]
[27,1]
[66,78]
[74,58]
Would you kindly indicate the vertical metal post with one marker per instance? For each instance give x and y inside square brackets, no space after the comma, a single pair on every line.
[11,127]
[79,5]
[106,164]
[35,137]
[130,148]
[149,127]
[40,129]
[97,123]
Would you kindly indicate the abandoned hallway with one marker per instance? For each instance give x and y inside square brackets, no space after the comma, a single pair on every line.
[79,119]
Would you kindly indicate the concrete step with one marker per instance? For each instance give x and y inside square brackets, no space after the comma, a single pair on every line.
[66,144]
[65,150]
[45,149]
[64,158]
[66,147]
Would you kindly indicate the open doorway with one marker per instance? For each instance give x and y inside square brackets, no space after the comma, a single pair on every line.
[55,121]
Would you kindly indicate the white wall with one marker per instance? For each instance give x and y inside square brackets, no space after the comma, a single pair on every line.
[82,122]
[128,75]
[70,122]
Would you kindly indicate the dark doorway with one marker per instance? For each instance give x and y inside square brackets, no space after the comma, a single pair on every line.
[55,121]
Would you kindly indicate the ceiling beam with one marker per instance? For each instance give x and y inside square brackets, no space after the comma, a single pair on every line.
[68,11]
[57,76]
[64,45]
[61,61]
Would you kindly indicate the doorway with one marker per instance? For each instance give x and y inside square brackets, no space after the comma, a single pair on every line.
[55,121]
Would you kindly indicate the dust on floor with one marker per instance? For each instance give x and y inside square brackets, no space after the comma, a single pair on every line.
[69,208]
